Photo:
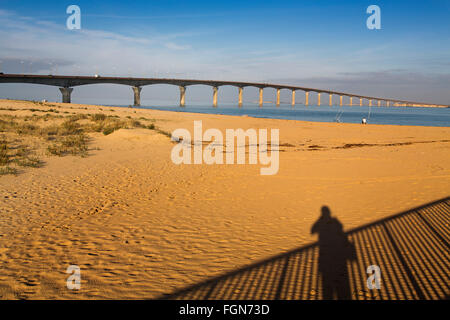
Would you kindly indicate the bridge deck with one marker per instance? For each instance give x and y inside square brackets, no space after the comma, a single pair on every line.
[72,81]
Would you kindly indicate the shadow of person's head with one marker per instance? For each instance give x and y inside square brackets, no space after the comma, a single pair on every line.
[326,213]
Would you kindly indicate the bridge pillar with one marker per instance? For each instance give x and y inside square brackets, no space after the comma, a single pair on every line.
[66,92]
[182,95]
[215,89]
[137,96]
[318,99]
[240,97]
[306,98]
[340,101]
[360,102]
[370,103]
[278,97]
[351,101]
[331,99]
[293,97]
[261,97]
[379,103]
[387,103]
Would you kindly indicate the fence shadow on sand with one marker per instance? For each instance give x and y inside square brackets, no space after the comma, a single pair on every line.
[411,248]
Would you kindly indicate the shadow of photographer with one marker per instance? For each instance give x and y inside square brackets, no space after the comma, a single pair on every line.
[334,251]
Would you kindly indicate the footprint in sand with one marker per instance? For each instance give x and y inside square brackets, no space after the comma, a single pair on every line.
[101,208]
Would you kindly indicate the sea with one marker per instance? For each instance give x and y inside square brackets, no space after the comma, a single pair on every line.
[408,116]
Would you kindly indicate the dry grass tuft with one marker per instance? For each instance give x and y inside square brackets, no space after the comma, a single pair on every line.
[4,157]
[64,135]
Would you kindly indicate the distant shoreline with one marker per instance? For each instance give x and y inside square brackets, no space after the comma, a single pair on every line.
[312,113]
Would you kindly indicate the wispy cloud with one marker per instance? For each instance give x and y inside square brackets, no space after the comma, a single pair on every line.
[174,46]
[5,13]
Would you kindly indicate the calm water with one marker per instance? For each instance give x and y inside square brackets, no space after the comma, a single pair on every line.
[438,117]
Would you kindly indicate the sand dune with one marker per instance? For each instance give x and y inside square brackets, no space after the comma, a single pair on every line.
[140,226]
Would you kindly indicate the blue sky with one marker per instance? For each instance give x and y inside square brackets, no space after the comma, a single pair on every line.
[323,44]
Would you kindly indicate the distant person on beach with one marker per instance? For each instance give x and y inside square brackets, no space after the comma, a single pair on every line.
[334,251]
[364,121]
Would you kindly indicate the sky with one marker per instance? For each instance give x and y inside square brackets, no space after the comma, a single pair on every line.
[320,44]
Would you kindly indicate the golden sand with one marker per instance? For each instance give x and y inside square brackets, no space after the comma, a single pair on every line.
[140,226]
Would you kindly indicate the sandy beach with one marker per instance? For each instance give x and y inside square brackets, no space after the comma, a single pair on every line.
[140,226]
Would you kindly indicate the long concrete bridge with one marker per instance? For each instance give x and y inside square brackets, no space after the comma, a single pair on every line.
[66,84]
